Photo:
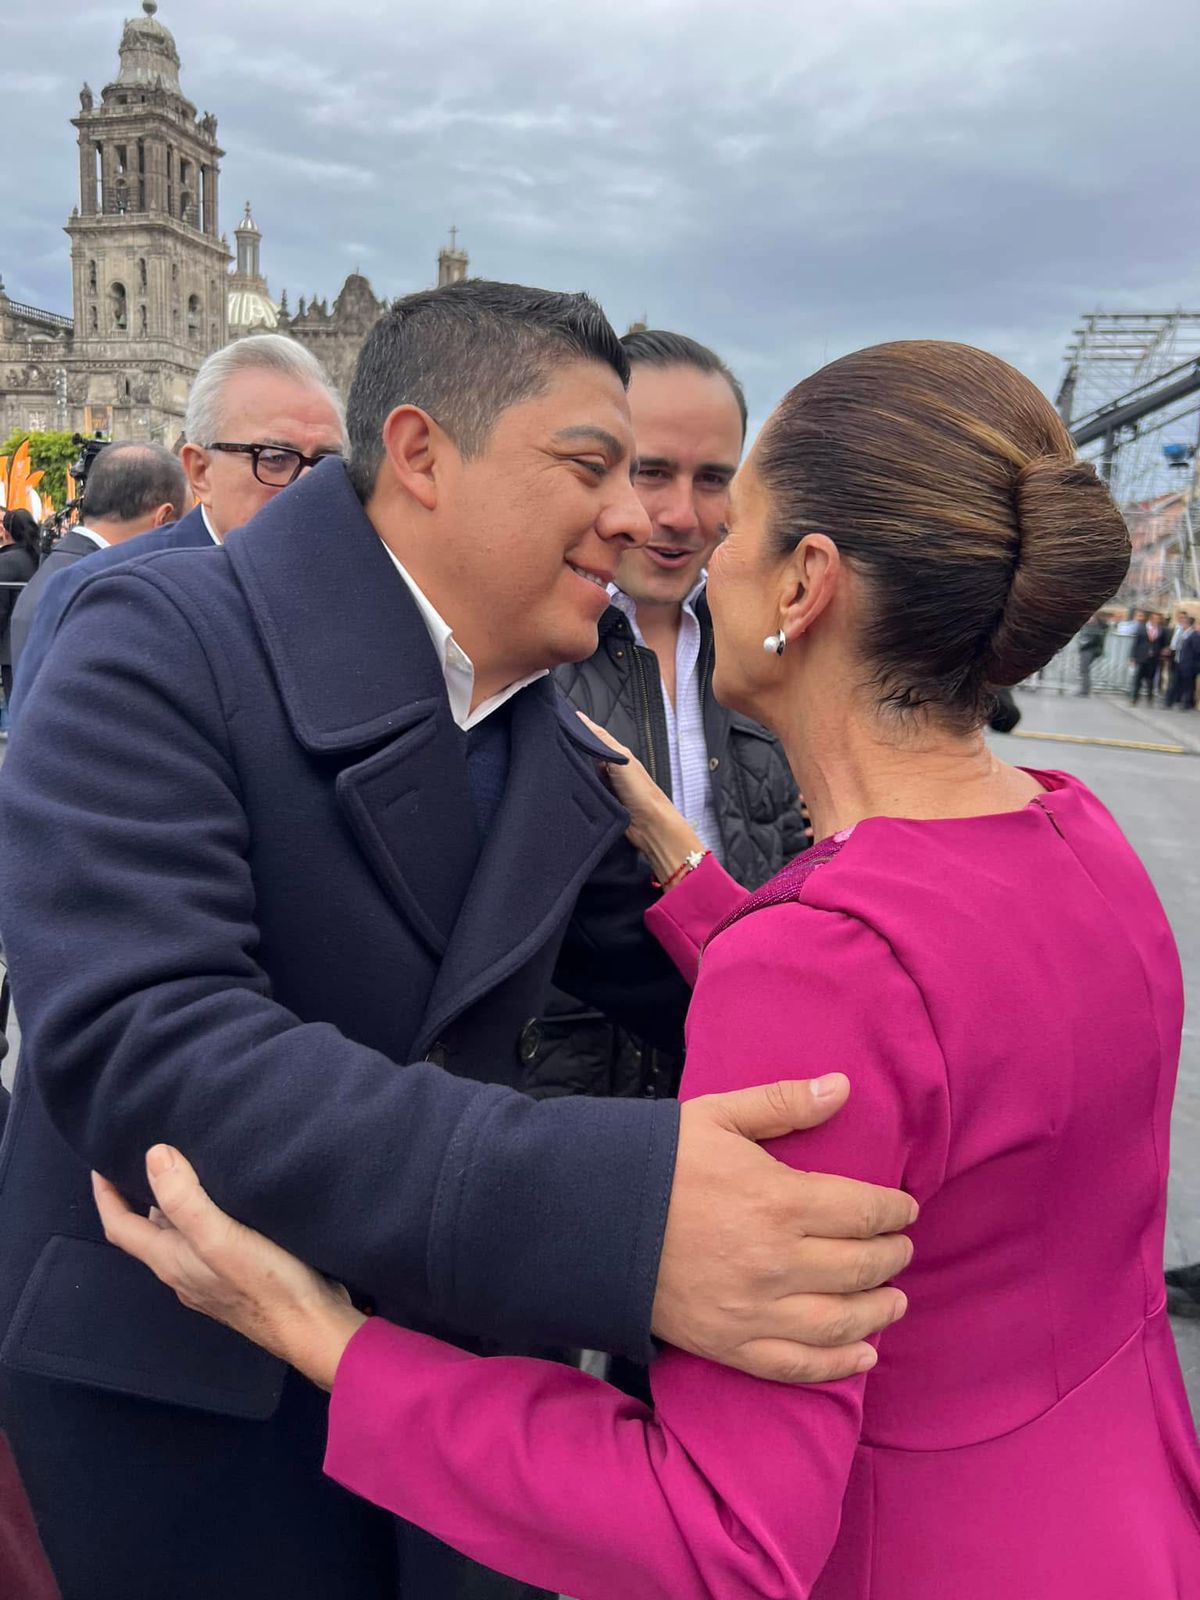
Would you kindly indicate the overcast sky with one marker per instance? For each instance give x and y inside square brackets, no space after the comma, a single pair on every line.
[784,180]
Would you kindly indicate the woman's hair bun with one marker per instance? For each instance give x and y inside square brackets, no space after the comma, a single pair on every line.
[1072,551]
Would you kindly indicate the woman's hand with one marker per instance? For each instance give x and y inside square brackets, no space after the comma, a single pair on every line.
[229,1272]
[655,828]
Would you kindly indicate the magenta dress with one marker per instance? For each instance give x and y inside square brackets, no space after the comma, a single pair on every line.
[1004,993]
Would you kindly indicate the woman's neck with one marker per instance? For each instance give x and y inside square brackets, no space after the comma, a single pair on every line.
[851,766]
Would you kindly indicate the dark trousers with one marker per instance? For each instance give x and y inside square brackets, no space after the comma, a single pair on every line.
[1145,676]
[138,1501]
[6,680]
[1183,690]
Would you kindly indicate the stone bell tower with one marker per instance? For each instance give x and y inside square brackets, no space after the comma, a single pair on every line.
[148,264]
[452,262]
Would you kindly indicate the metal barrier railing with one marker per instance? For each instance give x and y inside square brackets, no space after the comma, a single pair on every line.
[1110,672]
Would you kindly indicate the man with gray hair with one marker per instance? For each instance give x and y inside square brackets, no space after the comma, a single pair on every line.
[261,412]
[131,489]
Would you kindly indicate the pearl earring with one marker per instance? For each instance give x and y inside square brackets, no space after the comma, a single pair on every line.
[774,643]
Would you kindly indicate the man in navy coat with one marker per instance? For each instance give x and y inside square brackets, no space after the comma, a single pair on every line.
[266,394]
[293,833]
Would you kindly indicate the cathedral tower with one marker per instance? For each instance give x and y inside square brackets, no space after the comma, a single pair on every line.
[452,262]
[147,262]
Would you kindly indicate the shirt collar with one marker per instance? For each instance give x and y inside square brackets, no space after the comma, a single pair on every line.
[212,532]
[624,604]
[458,670]
[97,539]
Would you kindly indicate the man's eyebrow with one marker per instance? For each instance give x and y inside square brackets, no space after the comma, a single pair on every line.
[587,431]
[722,469]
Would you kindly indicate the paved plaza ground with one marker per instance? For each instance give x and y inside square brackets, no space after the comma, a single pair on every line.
[1155,795]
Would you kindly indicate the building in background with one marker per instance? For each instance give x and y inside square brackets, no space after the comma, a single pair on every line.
[154,289]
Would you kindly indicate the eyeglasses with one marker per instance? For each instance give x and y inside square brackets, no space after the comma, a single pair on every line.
[274,464]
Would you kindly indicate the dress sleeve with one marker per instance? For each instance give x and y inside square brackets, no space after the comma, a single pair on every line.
[731,1488]
[685,916]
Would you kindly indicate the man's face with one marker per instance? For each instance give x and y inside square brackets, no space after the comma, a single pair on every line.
[516,527]
[259,408]
[689,441]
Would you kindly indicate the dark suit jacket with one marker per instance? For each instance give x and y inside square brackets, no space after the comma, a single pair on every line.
[17,565]
[72,547]
[1146,649]
[242,886]
[64,580]
[1188,659]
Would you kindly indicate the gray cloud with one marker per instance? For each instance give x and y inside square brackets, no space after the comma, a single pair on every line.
[784,180]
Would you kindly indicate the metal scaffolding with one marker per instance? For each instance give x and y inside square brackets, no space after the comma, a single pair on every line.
[1120,358]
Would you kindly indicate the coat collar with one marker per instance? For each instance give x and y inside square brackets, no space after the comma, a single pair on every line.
[190,531]
[351,655]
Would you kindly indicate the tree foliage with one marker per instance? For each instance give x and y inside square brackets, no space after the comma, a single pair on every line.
[52,452]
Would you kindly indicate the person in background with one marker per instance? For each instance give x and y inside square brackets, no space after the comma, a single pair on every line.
[1171,658]
[131,488]
[1092,637]
[1149,642]
[1025,1434]
[1130,622]
[1187,665]
[18,564]
[260,413]
[649,683]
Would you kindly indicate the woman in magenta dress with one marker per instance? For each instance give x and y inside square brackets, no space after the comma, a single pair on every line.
[980,950]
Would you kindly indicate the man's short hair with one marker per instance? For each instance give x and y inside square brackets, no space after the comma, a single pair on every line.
[130,479]
[464,354]
[654,347]
[260,352]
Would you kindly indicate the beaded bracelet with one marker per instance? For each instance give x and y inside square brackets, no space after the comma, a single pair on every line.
[689,864]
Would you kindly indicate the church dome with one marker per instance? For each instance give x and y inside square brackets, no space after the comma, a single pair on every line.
[148,53]
[250,310]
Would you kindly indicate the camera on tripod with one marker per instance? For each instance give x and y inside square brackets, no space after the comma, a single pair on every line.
[55,525]
[89,449]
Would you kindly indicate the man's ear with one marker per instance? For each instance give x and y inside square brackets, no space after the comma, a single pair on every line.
[811,576]
[414,448]
[164,514]
[195,462]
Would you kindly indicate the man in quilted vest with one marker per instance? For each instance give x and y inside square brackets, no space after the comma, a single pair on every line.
[650,684]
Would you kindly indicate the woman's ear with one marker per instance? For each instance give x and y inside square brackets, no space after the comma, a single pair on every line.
[811,575]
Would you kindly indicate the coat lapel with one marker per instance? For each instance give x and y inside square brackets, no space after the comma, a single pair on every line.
[356,672]
[554,824]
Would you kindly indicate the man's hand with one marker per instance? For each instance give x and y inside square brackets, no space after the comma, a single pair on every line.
[767,1269]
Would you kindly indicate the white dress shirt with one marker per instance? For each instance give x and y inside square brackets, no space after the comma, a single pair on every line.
[691,779]
[457,667]
[212,532]
[97,539]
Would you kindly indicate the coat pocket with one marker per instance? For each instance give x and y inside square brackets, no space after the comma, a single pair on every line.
[94,1316]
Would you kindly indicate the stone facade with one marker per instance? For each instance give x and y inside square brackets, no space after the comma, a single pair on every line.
[154,292]
[335,334]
